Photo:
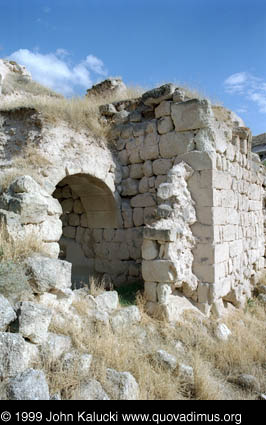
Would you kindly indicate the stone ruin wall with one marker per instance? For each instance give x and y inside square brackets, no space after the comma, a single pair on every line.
[178,201]
[189,176]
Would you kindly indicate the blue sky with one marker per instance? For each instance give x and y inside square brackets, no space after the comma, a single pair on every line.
[215,46]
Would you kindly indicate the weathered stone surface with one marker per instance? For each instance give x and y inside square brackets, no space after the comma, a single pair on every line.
[122,385]
[156,96]
[7,314]
[28,385]
[197,160]
[136,171]
[90,390]
[159,271]
[138,216]
[13,354]
[173,143]
[166,235]
[107,110]
[165,359]
[130,187]
[56,345]
[150,291]
[222,332]
[143,200]
[165,124]
[150,249]
[186,373]
[161,166]
[192,114]
[163,293]
[34,321]
[48,274]
[107,301]
[76,362]
[125,318]
[163,109]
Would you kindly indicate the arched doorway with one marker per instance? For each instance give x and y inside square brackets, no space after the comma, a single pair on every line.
[88,207]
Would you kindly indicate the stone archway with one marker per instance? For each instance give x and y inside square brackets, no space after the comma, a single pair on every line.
[88,207]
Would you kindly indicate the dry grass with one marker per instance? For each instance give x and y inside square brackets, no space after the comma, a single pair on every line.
[79,113]
[19,248]
[213,361]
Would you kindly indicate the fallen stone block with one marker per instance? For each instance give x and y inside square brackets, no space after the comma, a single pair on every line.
[121,385]
[28,385]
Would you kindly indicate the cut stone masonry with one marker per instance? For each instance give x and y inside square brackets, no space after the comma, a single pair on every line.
[177,202]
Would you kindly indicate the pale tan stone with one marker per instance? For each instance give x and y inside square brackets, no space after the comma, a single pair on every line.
[161,166]
[136,171]
[138,216]
[163,109]
[150,250]
[173,143]
[150,291]
[165,125]
[159,271]
[192,114]
[143,200]
[150,148]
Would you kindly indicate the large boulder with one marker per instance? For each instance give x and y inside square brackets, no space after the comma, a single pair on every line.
[14,355]
[48,274]
[122,385]
[90,390]
[28,385]
[34,320]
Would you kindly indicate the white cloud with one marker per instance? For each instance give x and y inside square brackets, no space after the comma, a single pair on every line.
[55,71]
[251,87]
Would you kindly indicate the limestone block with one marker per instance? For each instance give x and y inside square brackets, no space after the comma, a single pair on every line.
[69,232]
[84,220]
[197,160]
[147,168]
[48,273]
[13,348]
[222,332]
[7,314]
[165,125]
[34,321]
[130,187]
[67,205]
[228,199]
[203,292]
[157,95]
[159,271]
[122,385]
[50,230]
[136,171]
[90,390]
[173,143]
[150,215]
[123,157]
[150,291]
[165,359]
[25,184]
[127,131]
[74,219]
[125,172]
[120,144]
[74,361]
[205,233]
[220,289]
[150,149]
[161,166]
[150,249]
[235,248]
[143,200]
[125,318]
[107,301]
[211,254]
[221,180]
[108,234]
[56,345]
[166,235]
[138,216]
[204,272]
[144,185]
[134,147]
[192,114]
[163,293]
[174,309]
[163,109]
[127,217]
[78,207]
[28,385]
